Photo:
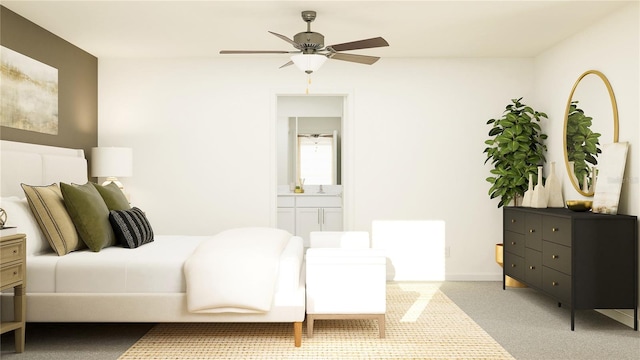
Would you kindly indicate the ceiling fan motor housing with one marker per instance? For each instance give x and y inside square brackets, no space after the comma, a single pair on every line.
[309,41]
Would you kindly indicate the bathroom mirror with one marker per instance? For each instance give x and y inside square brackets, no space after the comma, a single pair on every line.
[309,140]
[314,150]
[591,120]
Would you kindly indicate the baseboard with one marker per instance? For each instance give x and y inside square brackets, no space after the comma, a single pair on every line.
[474,277]
[619,316]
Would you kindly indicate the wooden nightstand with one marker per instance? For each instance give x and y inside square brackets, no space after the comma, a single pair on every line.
[13,275]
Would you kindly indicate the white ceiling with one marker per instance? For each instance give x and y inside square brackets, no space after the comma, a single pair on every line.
[413,28]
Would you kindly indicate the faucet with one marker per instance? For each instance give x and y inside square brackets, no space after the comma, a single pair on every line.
[320,190]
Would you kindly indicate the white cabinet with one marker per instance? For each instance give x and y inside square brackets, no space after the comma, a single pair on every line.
[310,213]
[287,219]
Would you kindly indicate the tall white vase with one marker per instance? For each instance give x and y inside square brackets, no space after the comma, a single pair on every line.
[554,189]
[526,199]
[539,197]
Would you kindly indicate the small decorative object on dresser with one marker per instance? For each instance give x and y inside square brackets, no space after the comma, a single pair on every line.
[13,268]
[580,259]
[539,197]
[554,189]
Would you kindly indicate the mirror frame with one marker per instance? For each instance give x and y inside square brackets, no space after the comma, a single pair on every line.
[614,107]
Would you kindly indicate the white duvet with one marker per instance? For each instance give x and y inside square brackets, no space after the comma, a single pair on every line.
[235,271]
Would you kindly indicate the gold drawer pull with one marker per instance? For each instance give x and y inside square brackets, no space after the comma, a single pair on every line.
[554,283]
[555,256]
[532,230]
[532,267]
[513,265]
[513,221]
[555,229]
[513,243]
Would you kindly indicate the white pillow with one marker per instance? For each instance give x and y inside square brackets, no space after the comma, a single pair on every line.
[19,215]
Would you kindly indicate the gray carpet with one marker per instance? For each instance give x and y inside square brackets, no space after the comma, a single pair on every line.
[526,323]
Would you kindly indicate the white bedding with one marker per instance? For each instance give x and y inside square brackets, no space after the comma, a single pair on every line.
[235,271]
[153,268]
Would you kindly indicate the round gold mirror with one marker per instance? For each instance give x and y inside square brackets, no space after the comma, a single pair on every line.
[591,119]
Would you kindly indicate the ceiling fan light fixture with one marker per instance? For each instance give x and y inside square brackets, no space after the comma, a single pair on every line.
[308,62]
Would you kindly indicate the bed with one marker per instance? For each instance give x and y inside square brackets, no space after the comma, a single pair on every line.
[117,284]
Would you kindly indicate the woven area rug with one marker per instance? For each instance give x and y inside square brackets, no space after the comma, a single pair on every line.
[422,323]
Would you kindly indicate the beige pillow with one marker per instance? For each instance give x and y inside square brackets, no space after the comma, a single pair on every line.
[47,206]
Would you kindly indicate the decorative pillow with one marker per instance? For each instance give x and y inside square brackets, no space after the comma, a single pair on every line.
[90,215]
[131,227]
[20,216]
[113,197]
[47,206]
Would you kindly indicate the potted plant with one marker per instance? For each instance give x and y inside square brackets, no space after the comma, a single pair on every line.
[516,148]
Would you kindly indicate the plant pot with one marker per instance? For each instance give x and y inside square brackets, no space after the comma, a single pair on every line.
[508,281]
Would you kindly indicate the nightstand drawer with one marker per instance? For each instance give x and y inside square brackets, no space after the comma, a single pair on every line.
[556,256]
[11,274]
[11,251]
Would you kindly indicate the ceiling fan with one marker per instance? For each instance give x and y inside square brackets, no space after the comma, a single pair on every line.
[311,52]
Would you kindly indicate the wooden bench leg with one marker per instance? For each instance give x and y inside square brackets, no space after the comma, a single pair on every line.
[309,326]
[381,325]
[297,333]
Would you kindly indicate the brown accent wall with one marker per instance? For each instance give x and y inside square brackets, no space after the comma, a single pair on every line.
[77,83]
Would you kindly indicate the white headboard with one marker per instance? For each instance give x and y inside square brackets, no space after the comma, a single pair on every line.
[38,165]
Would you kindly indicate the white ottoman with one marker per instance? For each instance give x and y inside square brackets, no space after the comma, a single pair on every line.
[345,283]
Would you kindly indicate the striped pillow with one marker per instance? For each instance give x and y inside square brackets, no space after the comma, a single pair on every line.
[47,206]
[131,227]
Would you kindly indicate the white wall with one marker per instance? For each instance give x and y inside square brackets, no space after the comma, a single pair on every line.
[204,161]
[203,133]
[611,46]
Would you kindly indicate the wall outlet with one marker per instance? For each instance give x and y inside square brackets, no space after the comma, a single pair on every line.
[447,251]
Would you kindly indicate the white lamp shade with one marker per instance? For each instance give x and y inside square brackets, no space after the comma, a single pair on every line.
[308,62]
[111,162]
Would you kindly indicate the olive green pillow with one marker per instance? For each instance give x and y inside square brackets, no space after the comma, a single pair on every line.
[90,215]
[113,197]
[48,208]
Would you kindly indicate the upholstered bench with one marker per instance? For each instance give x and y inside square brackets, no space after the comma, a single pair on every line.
[345,279]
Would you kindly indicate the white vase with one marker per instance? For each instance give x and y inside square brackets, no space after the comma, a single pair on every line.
[539,197]
[526,199]
[554,189]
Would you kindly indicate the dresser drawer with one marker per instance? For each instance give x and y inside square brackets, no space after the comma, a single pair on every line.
[557,230]
[533,231]
[556,256]
[533,267]
[11,274]
[11,251]
[556,284]
[513,266]
[514,243]
[513,221]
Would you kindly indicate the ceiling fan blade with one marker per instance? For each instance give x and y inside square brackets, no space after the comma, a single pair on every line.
[361,59]
[255,52]
[360,44]
[295,44]
[287,64]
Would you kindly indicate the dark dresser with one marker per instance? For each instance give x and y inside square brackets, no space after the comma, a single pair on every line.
[581,259]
